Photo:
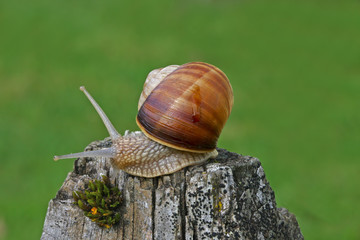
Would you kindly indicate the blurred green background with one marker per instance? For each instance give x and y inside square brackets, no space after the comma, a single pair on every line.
[294,67]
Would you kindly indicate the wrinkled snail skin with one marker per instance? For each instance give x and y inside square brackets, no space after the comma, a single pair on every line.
[140,156]
[182,111]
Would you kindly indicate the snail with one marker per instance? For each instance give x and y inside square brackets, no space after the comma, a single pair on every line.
[181,113]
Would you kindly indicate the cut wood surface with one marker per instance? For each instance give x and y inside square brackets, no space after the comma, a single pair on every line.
[224,198]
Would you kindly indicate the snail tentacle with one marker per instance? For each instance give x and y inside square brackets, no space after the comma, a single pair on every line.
[109,126]
[105,152]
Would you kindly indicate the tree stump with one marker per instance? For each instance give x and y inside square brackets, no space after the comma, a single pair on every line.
[224,198]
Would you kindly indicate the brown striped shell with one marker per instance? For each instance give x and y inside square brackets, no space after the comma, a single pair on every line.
[186,107]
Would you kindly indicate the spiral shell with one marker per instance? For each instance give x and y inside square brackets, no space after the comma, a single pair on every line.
[185,107]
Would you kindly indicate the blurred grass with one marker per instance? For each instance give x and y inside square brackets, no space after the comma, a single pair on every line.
[294,67]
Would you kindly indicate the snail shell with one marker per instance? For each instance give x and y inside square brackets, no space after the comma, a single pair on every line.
[182,111]
[187,108]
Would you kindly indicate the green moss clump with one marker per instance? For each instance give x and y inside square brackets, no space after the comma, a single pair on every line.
[100,202]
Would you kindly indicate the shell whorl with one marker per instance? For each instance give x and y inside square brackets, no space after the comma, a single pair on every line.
[153,79]
[141,156]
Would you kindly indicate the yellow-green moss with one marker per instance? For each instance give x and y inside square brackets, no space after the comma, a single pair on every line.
[100,202]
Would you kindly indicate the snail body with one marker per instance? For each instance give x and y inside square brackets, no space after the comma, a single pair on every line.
[182,111]
[142,156]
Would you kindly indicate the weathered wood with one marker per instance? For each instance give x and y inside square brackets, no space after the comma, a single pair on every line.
[225,198]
